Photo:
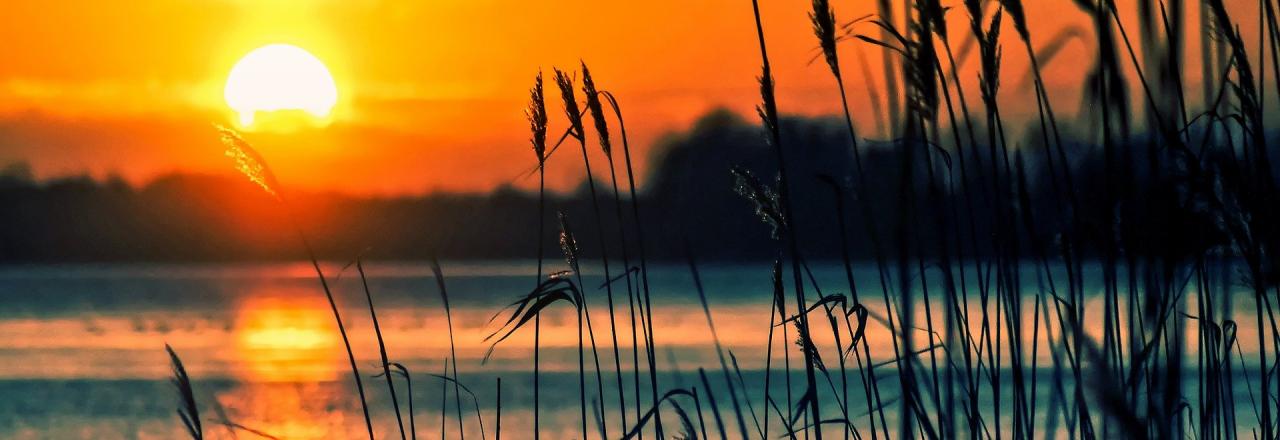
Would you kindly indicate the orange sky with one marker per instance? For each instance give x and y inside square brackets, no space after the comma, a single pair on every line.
[431,93]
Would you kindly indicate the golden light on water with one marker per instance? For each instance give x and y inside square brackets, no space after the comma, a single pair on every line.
[287,339]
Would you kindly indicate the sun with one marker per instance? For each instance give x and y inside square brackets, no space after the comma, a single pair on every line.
[280,77]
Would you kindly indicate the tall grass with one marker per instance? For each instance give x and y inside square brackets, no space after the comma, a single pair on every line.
[768,111]
[537,116]
[599,118]
[1029,286]
[453,353]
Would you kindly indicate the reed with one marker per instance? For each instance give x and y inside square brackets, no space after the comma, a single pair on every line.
[574,114]
[536,113]
[644,302]
[444,397]
[642,281]
[651,412]
[408,389]
[1064,272]
[474,400]
[252,165]
[187,410]
[724,366]
[557,288]
[606,145]
[382,349]
[497,431]
[453,353]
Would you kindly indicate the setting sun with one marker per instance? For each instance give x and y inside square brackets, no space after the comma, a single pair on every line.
[280,77]
[347,220]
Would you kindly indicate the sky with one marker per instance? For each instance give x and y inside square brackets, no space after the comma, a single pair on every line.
[431,94]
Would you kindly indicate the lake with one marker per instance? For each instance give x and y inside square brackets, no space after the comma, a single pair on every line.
[83,356]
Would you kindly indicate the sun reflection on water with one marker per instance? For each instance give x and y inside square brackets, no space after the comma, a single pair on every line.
[286,338]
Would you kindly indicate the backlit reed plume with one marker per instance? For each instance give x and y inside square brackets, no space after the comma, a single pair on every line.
[1019,15]
[597,111]
[571,110]
[823,18]
[536,113]
[248,161]
[251,164]
[568,244]
[762,198]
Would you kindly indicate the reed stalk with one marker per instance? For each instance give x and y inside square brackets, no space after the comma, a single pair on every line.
[254,167]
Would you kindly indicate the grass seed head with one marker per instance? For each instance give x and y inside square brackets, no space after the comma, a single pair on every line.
[823,18]
[763,198]
[568,244]
[571,110]
[1019,16]
[248,161]
[536,113]
[597,110]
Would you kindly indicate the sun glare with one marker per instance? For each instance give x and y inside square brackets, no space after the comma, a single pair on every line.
[286,336]
[280,77]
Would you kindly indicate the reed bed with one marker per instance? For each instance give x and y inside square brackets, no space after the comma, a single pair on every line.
[1142,235]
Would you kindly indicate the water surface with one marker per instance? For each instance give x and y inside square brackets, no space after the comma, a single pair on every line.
[82,351]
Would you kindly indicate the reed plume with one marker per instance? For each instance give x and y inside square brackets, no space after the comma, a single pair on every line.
[568,244]
[251,164]
[1019,16]
[597,111]
[763,199]
[536,113]
[823,19]
[567,292]
[571,110]
[248,161]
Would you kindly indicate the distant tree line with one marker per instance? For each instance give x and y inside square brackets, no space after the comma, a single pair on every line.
[689,199]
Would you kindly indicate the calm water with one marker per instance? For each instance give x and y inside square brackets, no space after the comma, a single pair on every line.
[82,350]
